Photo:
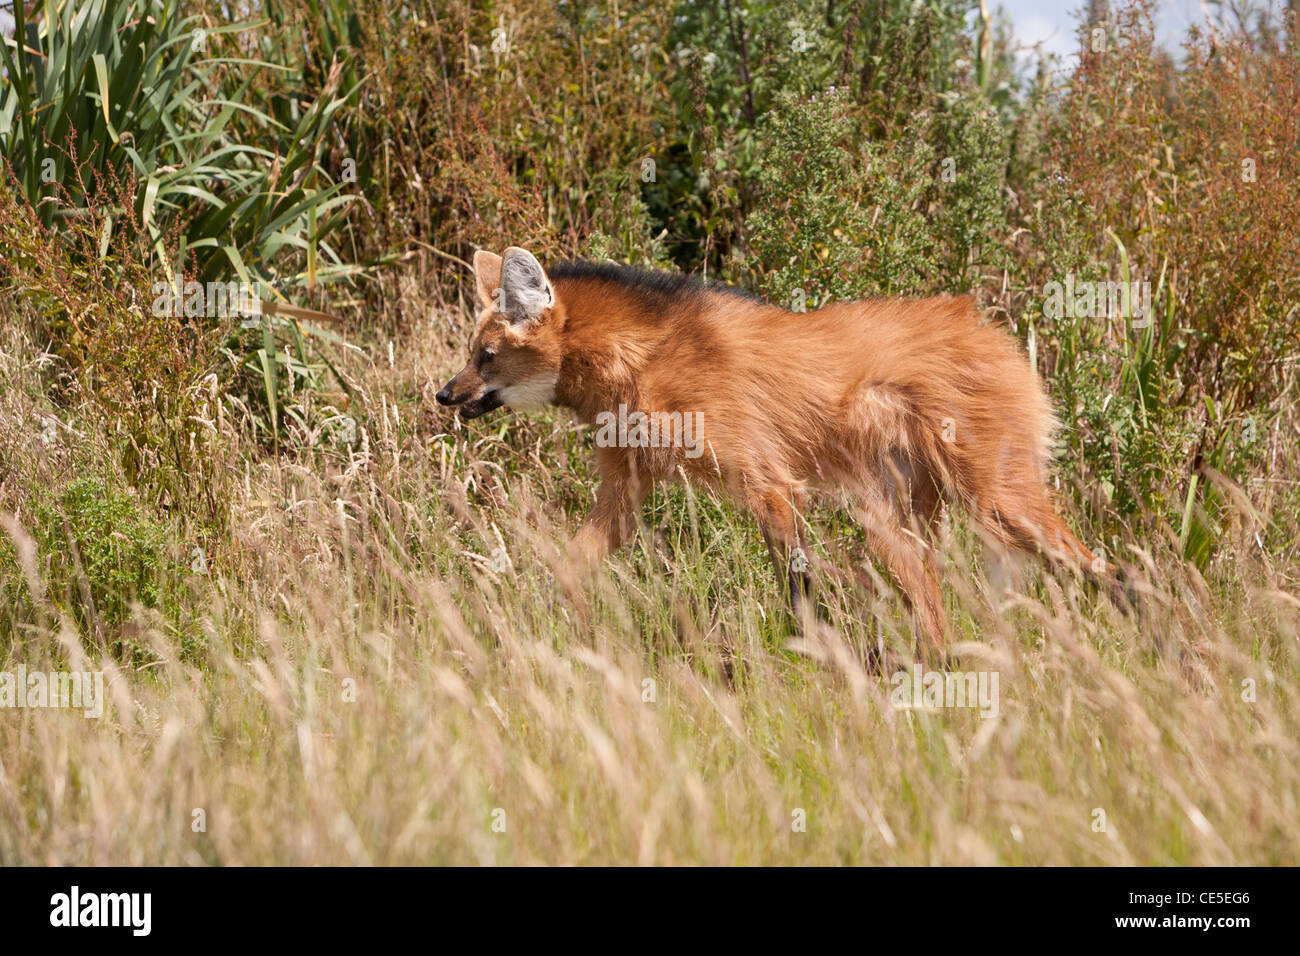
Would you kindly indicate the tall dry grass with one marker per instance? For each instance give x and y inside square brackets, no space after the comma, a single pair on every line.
[388,658]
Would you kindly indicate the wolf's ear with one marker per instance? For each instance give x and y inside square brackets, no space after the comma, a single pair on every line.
[525,292]
[487,276]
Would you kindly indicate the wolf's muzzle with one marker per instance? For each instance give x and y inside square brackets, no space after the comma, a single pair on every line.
[485,403]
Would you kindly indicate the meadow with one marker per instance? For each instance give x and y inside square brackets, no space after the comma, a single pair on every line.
[337,625]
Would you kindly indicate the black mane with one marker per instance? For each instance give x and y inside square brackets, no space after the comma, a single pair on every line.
[658,286]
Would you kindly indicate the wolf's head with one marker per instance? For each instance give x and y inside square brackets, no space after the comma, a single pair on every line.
[515,356]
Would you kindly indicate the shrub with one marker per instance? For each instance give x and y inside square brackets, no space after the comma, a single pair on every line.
[843,218]
[101,554]
[1188,179]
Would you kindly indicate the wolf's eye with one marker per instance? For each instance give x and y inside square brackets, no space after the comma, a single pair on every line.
[486,356]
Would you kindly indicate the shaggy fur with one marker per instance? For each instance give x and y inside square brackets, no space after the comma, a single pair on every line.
[891,406]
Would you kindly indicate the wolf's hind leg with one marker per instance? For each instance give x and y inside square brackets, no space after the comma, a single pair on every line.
[1026,521]
[1031,524]
[911,560]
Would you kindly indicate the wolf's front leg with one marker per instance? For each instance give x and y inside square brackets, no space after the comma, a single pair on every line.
[613,519]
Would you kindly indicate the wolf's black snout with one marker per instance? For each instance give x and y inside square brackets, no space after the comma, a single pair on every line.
[443,396]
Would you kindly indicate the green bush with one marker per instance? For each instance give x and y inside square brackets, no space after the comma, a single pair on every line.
[839,216]
[101,553]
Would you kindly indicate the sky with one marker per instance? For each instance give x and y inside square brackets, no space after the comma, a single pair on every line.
[1053,22]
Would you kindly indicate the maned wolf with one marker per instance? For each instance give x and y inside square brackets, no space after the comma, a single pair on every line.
[890,406]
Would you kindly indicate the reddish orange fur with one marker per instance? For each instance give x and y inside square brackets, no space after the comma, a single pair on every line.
[855,400]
